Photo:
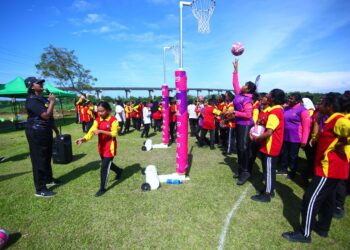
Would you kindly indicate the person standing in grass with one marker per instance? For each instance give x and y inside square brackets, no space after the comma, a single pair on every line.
[146,116]
[106,127]
[38,129]
[243,113]
[271,143]
[331,166]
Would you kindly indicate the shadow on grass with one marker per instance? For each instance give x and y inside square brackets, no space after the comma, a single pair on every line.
[10,176]
[291,204]
[19,157]
[152,134]
[76,173]
[190,159]
[14,237]
[127,173]
[78,157]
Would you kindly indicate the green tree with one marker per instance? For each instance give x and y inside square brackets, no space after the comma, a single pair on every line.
[61,64]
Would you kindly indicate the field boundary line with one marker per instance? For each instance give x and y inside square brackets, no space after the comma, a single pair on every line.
[229,217]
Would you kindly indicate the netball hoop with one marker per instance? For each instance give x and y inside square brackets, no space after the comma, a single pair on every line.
[202,11]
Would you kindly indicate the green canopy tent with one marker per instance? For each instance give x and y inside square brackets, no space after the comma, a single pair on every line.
[17,89]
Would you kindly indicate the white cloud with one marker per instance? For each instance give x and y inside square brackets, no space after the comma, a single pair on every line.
[305,81]
[81,5]
[93,18]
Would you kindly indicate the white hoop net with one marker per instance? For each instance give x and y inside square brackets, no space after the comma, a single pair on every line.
[176,52]
[202,10]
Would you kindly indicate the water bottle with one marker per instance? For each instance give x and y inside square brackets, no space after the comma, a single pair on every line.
[173,181]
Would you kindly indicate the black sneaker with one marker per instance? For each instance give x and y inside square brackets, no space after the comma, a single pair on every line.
[45,194]
[261,197]
[320,232]
[54,182]
[338,213]
[272,194]
[243,177]
[296,237]
[100,192]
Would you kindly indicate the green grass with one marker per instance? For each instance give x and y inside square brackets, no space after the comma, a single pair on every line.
[187,216]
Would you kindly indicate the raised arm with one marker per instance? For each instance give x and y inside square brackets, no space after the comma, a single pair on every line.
[235,81]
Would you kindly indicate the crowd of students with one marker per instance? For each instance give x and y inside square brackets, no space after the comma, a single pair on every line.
[291,122]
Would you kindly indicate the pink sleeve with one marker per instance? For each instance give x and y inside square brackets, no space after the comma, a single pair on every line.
[248,110]
[305,126]
[235,83]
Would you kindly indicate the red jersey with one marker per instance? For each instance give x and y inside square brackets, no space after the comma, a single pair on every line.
[209,113]
[262,117]
[128,111]
[329,162]
[107,145]
[172,113]
[275,121]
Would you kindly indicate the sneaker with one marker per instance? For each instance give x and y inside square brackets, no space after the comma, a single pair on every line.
[272,194]
[338,213]
[320,232]
[281,172]
[45,193]
[100,192]
[54,182]
[261,197]
[243,177]
[296,237]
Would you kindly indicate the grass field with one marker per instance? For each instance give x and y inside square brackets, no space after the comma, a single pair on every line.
[187,216]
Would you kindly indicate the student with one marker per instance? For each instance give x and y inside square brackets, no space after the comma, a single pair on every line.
[341,189]
[260,120]
[209,113]
[229,125]
[330,167]
[243,104]
[172,119]
[271,143]
[146,113]
[120,115]
[106,127]
[192,117]
[296,133]
[127,111]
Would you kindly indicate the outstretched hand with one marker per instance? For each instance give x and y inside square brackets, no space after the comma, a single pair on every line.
[235,65]
[80,141]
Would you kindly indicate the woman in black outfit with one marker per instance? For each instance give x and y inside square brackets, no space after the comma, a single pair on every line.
[38,131]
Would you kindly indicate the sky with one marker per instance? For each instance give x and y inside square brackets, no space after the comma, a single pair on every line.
[295,45]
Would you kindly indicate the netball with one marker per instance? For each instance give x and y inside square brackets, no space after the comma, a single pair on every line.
[237,49]
[4,236]
[257,130]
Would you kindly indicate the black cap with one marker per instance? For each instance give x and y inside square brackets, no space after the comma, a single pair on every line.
[29,82]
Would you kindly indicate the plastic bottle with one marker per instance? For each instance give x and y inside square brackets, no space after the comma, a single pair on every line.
[173,181]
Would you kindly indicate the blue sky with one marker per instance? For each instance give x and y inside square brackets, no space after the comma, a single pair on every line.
[294,45]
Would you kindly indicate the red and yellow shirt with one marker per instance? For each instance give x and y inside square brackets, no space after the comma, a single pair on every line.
[209,113]
[275,121]
[262,118]
[329,162]
[107,145]
[230,123]
[256,111]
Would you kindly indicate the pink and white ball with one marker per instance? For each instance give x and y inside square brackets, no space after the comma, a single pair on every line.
[237,49]
[257,130]
[4,237]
